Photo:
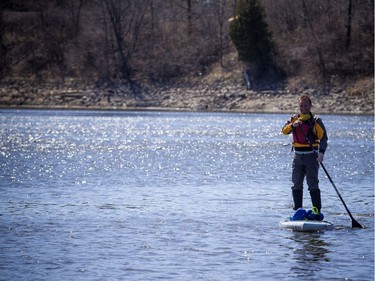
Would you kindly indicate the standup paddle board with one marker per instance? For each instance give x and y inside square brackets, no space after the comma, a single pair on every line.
[306,225]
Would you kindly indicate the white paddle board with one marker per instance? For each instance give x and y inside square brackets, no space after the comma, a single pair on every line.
[306,225]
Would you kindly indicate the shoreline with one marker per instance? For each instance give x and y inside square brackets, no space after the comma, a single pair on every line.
[168,109]
[223,97]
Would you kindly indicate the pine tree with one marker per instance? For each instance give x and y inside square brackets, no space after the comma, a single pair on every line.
[249,32]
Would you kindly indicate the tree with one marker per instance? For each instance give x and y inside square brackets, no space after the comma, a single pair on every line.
[317,50]
[349,25]
[220,9]
[159,41]
[126,19]
[189,7]
[250,34]
[3,49]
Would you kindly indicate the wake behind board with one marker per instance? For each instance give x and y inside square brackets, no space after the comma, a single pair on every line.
[306,225]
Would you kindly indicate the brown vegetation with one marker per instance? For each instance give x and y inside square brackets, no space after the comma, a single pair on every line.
[147,45]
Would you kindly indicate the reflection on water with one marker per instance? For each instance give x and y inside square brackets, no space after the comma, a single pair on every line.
[312,247]
[309,254]
[88,195]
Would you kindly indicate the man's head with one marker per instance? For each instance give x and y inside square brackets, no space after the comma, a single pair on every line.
[304,103]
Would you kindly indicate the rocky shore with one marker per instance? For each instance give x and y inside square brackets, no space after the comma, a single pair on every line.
[205,97]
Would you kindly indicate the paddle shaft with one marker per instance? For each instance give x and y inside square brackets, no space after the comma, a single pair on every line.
[354,222]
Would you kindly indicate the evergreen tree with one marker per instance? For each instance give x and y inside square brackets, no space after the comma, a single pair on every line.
[249,32]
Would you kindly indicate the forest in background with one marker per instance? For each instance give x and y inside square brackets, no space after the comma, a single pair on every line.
[153,42]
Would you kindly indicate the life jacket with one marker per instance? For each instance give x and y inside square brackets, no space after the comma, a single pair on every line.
[310,129]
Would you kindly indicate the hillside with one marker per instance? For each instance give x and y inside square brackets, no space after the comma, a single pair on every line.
[220,90]
[170,54]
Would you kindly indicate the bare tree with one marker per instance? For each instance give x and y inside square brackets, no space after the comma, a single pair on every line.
[191,8]
[316,48]
[158,41]
[126,19]
[75,7]
[222,15]
[349,24]
[3,49]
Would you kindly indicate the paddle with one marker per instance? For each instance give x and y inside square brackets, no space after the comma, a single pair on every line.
[355,224]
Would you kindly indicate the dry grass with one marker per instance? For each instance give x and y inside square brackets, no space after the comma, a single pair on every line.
[361,87]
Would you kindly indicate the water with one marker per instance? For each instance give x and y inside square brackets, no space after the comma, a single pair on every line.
[87,195]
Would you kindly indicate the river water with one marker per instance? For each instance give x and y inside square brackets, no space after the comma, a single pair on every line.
[97,195]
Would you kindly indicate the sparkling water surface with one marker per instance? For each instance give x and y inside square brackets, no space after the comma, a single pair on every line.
[97,195]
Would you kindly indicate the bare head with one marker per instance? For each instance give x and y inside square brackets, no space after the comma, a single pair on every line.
[305,104]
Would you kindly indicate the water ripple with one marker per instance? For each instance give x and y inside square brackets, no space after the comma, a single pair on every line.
[180,196]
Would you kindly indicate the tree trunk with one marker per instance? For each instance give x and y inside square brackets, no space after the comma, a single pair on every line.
[349,25]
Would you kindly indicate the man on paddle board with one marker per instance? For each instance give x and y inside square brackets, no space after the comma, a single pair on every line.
[309,144]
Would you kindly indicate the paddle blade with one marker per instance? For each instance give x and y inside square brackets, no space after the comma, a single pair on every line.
[356,224]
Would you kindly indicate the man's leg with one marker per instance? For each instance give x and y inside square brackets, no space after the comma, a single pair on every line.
[312,168]
[298,176]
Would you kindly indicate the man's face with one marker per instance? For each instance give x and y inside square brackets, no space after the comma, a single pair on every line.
[304,106]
